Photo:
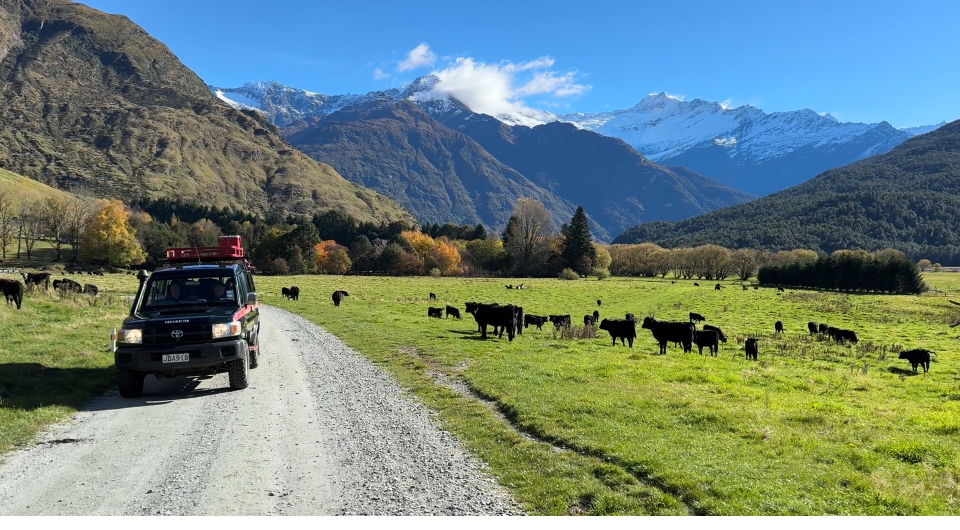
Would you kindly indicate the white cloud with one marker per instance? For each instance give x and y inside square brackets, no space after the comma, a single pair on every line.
[379,74]
[418,57]
[498,89]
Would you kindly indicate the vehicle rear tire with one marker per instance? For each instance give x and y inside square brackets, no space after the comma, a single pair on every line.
[130,382]
[238,371]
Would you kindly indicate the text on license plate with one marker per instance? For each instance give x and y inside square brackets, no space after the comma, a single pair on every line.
[176,357]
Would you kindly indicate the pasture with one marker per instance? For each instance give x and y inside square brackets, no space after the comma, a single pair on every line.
[578,426]
[55,355]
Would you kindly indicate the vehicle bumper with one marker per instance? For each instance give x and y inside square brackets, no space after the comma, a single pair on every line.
[202,356]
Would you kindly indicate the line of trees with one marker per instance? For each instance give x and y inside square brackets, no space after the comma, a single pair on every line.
[886,271]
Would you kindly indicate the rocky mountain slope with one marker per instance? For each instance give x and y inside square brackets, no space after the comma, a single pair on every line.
[90,100]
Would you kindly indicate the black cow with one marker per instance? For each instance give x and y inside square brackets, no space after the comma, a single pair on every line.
[918,357]
[755,287]
[709,338]
[285,291]
[12,291]
[720,335]
[843,335]
[717,287]
[745,288]
[560,320]
[588,320]
[812,326]
[696,317]
[598,302]
[37,278]
[454,311]
[509,286]
[503,317]
[67,285]
[620,329]
[751,348]
[338,297]
[433,296]
[435,312]
[780,289]
[778,327]
[89,288]
[695,284]
[822,328]
[596,316]
[664,332]
[295,293]
[535,320]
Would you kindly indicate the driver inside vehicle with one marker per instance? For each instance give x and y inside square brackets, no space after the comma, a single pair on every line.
[174,291]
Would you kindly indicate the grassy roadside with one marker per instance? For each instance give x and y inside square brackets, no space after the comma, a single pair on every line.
[813,428]
[55,356]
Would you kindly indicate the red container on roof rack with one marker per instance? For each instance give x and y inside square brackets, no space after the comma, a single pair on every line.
[228,249]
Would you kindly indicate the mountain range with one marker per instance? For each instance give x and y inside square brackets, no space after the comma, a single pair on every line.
[89,101]
[908,199]
[446,163]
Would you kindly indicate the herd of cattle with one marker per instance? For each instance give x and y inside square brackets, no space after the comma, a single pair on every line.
[513,320]
[13,289]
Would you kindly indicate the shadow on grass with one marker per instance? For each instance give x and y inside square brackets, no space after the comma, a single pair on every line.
[903,372]
[31,386]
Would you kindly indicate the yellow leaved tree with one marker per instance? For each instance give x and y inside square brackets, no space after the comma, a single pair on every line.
[110,238]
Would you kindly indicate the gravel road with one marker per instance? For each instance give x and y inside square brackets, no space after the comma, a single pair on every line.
[320,431]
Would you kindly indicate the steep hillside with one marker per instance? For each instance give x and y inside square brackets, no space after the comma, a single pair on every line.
[907,199]
[90,100]
[617,185]
[438,174]
[25,187]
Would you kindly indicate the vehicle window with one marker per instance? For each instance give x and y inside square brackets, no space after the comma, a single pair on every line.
[215,287]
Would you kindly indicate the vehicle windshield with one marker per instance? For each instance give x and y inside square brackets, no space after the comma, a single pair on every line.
[190,289]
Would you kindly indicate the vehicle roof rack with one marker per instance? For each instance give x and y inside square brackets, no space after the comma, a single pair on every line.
[227,252]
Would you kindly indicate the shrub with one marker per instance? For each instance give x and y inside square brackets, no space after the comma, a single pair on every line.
[601,274]
[435,272]
[569,274]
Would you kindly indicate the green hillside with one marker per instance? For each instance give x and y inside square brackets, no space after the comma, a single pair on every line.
[908,199]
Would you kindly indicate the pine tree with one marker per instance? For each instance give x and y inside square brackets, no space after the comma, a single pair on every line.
[578,251]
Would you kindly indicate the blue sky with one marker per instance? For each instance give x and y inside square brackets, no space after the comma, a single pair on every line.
[860,61]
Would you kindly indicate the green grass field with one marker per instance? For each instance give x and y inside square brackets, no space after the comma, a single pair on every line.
[55,355]
[578,426]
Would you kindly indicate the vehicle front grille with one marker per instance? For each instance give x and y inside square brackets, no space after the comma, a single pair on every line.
[165,334]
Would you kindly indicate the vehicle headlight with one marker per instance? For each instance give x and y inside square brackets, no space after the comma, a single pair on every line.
[226,330]
[130,336]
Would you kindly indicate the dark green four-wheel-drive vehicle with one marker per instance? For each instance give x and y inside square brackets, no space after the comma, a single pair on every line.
[197,315]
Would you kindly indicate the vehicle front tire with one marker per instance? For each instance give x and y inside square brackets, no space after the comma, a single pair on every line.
[238,371]
[130,382]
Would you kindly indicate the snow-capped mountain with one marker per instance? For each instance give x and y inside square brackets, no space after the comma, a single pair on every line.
[743,147]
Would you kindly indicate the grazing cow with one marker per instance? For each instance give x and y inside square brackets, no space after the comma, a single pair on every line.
[295,293]
[38,279]
[503,317]
[709,338]
[433,296]
[12,291]
[751,348]
[812,326]
[664,332]
[918,357]
[285,291]
[519,286]
[599,302]
[629,316]
[755,287]
[535,320]
[778,327]
[779,289]
[338,297]
[720,335]
[620,329]
[822,328]
[696,317]
[843,335]
[509,286]
[89,288]
[695,284]
[435,312]
[519,320]
[67,285]
[588,320]
[673,281]
[560,320]
[745,288]
[453,311]
[596,316]
[717,287]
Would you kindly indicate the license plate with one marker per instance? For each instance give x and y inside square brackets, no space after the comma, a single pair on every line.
[176,357]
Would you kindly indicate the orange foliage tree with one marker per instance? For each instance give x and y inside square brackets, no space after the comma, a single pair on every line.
[110,237]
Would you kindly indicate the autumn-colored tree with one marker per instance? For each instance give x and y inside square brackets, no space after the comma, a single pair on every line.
[110,237]
[924,264]
[421,243]
[339,262]
[449,259]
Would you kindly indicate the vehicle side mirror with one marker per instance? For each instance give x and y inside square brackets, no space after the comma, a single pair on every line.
[251,298]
